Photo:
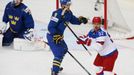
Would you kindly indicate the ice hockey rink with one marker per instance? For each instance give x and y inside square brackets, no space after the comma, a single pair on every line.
[39,62]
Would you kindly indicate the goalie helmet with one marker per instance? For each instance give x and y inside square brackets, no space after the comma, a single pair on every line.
[96,20]
[65,2]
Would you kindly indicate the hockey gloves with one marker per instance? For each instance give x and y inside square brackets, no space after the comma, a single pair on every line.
[57,38]
[83,19]
[3,27]
[84,40]
[28,35]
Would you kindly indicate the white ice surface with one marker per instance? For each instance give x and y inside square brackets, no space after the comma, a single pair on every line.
[14,62]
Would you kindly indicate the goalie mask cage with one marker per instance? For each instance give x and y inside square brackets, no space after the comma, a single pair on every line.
[109,10]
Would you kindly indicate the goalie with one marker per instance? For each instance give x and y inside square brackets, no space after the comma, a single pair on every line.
[98,39]
[20,21]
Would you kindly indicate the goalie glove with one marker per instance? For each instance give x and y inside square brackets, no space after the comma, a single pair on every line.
[57,38]
[28,35]
[3,27]
[83,19]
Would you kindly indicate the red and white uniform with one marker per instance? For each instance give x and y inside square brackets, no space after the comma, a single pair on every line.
[101,42]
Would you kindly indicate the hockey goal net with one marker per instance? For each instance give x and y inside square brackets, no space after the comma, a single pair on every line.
[109,10]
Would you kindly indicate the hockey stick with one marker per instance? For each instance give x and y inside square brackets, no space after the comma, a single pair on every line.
[77,38]
[74,59]
[78,62]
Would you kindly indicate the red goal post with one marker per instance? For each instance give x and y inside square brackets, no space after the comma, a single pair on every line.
[105,11]
[109,10]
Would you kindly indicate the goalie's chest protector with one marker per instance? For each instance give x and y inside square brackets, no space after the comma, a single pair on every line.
[15,16]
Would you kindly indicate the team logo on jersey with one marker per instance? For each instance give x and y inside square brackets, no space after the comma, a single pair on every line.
[13,22]
[16,18]
[10,16]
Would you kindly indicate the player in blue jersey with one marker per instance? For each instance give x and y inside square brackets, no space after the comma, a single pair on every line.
[20,22]
[56,29]
[99,39]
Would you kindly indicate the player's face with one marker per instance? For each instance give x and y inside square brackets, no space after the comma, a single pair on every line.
[96,26]
[66,6]
[17,2]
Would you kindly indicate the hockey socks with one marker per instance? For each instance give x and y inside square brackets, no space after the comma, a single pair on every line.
[56,65]
[54,73]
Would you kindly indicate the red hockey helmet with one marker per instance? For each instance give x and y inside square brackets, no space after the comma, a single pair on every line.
[96,20]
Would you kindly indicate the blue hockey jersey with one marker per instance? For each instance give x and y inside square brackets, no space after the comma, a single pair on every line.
[19,17]
[57,22]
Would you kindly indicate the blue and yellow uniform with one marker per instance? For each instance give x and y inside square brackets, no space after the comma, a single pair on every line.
[56,27]
[19,19]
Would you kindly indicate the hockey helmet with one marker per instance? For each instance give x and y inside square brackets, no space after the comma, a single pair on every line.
[65,2]
[96,20]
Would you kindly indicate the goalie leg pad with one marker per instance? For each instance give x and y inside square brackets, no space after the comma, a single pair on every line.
[22,44]
[1,37]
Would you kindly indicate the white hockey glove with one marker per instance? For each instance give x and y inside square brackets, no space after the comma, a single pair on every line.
[28,35]
[3,27]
